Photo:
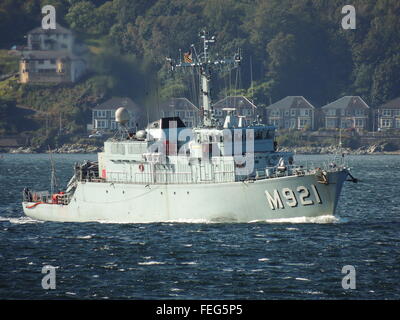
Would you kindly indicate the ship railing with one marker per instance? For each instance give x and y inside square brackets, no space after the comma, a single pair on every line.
[311,167]
[276,172]
[46,197]
[36,196]
[168,177]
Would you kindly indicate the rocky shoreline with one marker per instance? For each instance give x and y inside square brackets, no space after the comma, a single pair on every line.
[84,148]
[66,148]
[364,150]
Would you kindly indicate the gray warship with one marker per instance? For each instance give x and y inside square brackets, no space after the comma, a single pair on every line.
[230,172]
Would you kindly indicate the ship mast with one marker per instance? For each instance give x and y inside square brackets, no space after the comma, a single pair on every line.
[205,76]
[204,64]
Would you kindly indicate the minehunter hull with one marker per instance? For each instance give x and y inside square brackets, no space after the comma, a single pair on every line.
[277,198]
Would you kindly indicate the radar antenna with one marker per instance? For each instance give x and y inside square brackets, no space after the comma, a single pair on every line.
[122,117]
[204,64]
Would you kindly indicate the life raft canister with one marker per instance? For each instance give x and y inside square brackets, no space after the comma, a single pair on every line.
[54,198]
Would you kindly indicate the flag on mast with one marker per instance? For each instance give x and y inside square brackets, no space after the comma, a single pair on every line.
[187,57]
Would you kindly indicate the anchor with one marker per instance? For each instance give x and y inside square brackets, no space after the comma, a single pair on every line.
[352,179]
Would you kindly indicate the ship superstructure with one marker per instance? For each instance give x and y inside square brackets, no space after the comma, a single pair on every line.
[228,172]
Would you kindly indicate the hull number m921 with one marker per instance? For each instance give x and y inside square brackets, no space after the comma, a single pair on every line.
[291,198]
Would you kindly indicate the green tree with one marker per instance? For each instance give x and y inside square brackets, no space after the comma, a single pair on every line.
[82,17]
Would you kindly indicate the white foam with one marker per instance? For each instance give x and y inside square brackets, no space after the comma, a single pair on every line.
[263,259]
[313,292]
[148,263]
[319,219]
[302,279]
[20,220]
[84,237]
[297,220]
[149,222]
[190,221]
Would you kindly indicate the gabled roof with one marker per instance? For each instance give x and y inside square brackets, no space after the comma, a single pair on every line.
[164,123]
[57,30]
[292,102]
[392,104]
[347,102]
[238,102]
[117,102]
[180,104]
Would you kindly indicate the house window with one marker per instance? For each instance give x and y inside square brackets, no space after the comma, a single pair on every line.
[292,123]
[386,112]
[359,123]
[101,124]
[41,61]
[331,123]
[359,112]
[293,112]
[346,124]
[303,123]
[275,123]
[53,61]
[286,113]
[101,113]
[396,112]
[331,112]
[398,123]
[386,123]
[304,112]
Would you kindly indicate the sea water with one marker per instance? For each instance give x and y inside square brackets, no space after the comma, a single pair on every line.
[299,258]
